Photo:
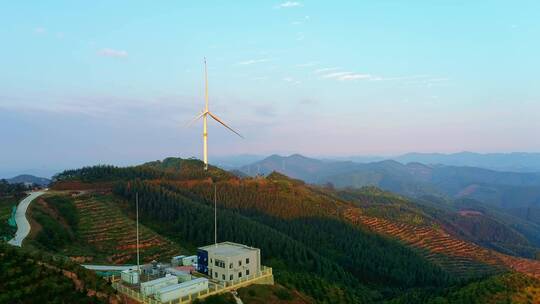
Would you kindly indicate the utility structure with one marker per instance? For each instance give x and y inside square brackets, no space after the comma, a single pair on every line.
[215,214]
[205,113]
[137,216]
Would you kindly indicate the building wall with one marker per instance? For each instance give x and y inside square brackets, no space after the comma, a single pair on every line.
[233,268]
[202,261]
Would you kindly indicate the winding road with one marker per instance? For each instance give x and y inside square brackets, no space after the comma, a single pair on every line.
[23,226]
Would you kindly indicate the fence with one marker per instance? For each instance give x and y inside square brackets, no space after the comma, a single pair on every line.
[264,276]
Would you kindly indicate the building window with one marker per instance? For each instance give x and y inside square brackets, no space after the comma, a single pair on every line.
[210,261]
[223,277]
[247,272]
[239,275]
[247,260]
[231,277]
[219,263]
[230,265]
[215,274]
[240,263]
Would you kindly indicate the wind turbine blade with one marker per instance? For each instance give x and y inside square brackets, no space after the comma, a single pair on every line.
[195,119]
[221,122]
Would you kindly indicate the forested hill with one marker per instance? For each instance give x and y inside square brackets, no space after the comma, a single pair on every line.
[34,277]
[333,245]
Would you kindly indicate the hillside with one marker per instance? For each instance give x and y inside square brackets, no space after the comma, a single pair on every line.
[10,195]
[32,277]
[182,208]
[91,228]
[513,193]
[506,288]
[295,225]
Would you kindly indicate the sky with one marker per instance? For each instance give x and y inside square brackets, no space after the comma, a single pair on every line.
[115,82]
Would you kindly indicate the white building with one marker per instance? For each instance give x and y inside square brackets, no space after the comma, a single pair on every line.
[176,291]
[150,287]
[177,260]
[182,276]
[228,261]
[130,276]
[189,260]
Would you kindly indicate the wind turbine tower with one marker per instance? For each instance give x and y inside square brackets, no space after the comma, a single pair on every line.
[205,113]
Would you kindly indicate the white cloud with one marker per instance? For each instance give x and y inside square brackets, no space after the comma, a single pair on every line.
[113,53]
[339,74]
[323,70]
[344,76]
[289,4]
[252,61]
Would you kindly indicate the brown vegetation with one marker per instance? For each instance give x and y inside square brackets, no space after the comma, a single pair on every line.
[452,253]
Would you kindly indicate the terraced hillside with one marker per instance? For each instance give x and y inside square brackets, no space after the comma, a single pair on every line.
[455,255]
[104,234]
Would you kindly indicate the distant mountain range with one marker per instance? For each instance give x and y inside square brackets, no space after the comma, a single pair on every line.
[513,162]
[516,193]
[29,179]
[516,162]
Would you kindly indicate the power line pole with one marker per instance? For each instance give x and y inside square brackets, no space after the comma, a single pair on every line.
[215,214]
[137,216]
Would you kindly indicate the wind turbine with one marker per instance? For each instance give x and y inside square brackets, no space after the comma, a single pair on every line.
[204,114]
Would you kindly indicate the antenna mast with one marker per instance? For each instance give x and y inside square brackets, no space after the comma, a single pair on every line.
[137,216]
[215,214]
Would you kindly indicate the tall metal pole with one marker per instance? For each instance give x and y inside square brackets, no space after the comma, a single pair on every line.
[137,217]
[215,215]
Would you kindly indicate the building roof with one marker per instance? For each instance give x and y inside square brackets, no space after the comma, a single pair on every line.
[228,249]
[182,285]
[166,278]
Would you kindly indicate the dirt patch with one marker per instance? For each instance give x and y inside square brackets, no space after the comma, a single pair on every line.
[470,213]
[77,186]
[81,259]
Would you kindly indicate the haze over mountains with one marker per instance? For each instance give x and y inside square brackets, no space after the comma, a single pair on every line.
[516,162]
[513,162]
[517,193]
[29,179]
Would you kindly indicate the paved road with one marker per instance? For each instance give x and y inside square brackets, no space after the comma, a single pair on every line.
[23,226]
[108,267]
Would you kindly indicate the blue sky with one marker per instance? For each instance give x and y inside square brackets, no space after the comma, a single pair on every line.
[115,81]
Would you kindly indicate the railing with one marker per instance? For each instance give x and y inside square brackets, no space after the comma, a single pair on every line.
[214,288]
[134,294]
